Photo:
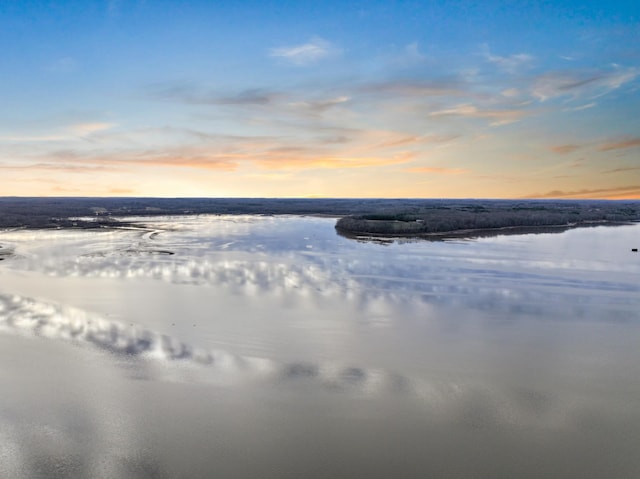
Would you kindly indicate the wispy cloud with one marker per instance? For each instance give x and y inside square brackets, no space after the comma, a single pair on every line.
[186,159]
[436,170]
[510,92]
[88,128]
[577,163]
[398,140]
[409,56]
[509,63]
[581,107]
[252,96]
[176,157]
[61,167]
[623,192]
[581,84]
[416,88]
[496,117]
[32,138]
[606,145]
[623,169]
[363,151]
[564,149]
[620,144]
[319,106]
[307,53]
[359,149]
[197,95]
[60,133]
[121,191]
[412,52]
[557,84]
[279,161]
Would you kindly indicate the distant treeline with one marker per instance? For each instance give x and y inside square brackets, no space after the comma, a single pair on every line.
[400,217]
[56,212]
[486,215]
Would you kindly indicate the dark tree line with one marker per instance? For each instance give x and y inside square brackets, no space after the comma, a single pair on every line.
[359,216]
[488,216]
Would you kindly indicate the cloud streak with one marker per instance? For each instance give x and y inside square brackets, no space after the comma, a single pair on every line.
[32,138]
[88,128]
[620,144]
[65,168]
[496,117]
[415,88]
[284,160]
[436,170]
[359,150]
[510,63]
[623,192]
[351,124]
[197,95]
[565,149]
[305,54]
[320,106]
[623,169]
[577,85]
[32,318]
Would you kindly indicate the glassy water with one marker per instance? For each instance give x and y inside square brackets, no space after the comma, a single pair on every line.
[271,347]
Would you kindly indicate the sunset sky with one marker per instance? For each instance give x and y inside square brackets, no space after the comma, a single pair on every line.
[434,99]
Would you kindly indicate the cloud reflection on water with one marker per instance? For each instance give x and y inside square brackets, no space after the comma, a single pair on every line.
[484,284]
[34,318]
[547,386]
[137,350]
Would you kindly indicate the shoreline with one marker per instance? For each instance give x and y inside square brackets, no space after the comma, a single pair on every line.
[429,219]
[466,233]
[472,233]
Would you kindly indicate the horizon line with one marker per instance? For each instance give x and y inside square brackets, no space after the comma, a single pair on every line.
[320,198]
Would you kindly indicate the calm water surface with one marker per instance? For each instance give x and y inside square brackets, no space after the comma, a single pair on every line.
[271,347]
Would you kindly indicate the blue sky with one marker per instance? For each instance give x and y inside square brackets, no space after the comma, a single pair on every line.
[343,99]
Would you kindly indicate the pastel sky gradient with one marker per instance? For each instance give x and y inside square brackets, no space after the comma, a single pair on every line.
[433,99]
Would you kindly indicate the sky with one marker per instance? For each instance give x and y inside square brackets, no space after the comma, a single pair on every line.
[399,99]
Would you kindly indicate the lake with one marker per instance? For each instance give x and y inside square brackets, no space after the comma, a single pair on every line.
[271,347]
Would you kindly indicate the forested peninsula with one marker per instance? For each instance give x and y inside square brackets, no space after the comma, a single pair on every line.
[475,218]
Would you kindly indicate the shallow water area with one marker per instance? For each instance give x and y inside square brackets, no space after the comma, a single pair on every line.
[248,346]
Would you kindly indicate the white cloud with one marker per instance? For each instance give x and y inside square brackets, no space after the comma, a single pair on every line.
[36,138]
[510,92]
[305,54]
[510,63]
[620,77]
[320,105]
[412,53]
[88,128]
[68,133]
[496,117]
[557,84]
[581,107]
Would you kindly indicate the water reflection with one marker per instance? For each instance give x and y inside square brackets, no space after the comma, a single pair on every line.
[502,357]
[135,347]
[463,235]
[494,276]
[29,317]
